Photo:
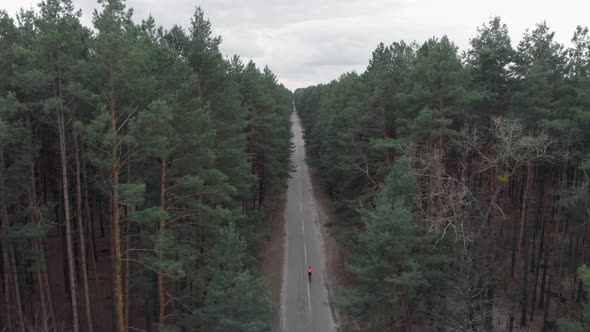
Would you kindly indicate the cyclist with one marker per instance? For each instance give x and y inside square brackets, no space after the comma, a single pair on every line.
[309,271]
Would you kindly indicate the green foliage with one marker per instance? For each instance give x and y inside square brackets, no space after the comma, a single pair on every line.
[154,130]
[197,144]
[503,178]
[132,194]
[394,256]
[584,323]
[440,92]
[148,216]
[488,63]
[235,299]
[30,231]
[540,67]
[415,100]
[337,141]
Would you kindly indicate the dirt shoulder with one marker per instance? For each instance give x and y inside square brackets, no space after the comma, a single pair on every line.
[337,256]
[272,253]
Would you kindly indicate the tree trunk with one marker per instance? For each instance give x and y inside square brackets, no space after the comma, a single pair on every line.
[90,205]
[115,217]
[45,290]
[6,275]
[573,267]
[543,278]
[525,279]
[585,257]
[45,317]
[20,323]
[559,211]
[127,267]
[34,215]
[538,224]
[81,235]
[438,185]
[5,259]
[386,137]
[517,195]
[128,208]
[112,250]
[101,219]
[161,289]
[489,243]
[523,214]
[118,282]
[406,321]
[46,299]
[537,265]
[199,88]
[549,216]
[90,221]
[546,309]
[67,220]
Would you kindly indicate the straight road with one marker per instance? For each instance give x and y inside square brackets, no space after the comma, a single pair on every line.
[304,304]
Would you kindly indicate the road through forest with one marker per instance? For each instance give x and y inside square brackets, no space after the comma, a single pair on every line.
[304,304]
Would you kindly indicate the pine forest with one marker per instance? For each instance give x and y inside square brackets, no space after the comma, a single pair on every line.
[143,172]
[136,164]
[461,181]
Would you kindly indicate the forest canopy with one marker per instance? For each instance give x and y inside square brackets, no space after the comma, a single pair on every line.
[460,180]
[136,166]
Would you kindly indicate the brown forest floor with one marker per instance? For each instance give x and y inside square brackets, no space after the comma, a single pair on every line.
[272,253]
[508,291]
[336,254]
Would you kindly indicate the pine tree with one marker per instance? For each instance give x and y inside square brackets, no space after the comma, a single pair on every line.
[152,133]
[584,323]
[439,88]
[268,126]
[13,163]
[61,46]
[158,140]
[395,261]
[125,88]
[439,96]
[221,94]
[386,78]
[539,67]
[487,61]
[25,87]
[236,300]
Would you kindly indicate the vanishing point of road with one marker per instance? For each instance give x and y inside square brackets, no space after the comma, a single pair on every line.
[304,304]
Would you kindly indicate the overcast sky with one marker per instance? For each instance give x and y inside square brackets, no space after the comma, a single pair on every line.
[307,42]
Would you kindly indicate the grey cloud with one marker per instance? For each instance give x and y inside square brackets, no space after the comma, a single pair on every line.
[246,43]
[311,41]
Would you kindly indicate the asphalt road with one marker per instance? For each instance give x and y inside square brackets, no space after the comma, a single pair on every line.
[304,304]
